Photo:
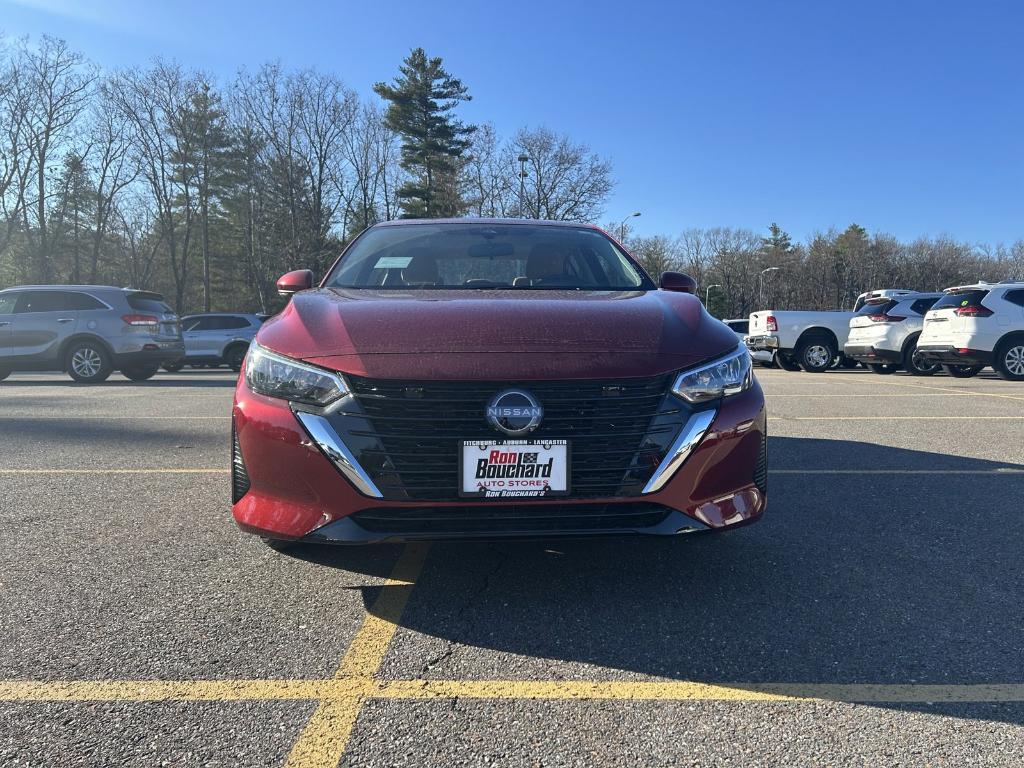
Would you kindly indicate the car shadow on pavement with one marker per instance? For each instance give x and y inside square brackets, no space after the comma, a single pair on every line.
[888,579]
[116,381]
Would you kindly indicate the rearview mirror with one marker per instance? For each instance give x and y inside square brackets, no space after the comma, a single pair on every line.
[295,281]
[677,281]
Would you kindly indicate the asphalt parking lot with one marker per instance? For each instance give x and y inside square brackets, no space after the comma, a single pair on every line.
[873,618]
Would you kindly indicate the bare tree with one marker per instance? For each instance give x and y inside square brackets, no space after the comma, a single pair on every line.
[490,190]
[165,142]
[112,165]
[565,180]
[59,85]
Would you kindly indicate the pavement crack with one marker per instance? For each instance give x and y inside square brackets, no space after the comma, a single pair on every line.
[483,586]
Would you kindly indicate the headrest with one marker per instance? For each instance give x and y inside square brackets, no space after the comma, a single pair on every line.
[545,260]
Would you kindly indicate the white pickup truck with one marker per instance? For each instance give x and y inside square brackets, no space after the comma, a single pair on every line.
[811,340]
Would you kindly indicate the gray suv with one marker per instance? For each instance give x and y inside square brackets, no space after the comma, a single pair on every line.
[87,330]
[217,338]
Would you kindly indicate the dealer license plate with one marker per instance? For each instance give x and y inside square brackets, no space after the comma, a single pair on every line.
[514,468]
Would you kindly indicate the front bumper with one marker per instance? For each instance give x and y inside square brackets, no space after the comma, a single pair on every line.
[949,355]
[295,489]
[869,354]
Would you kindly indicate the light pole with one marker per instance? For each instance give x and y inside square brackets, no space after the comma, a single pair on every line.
[622,226]
[707,293]
[523,159]
[760,283]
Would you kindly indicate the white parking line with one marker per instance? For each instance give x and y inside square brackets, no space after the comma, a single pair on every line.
[996,471]
[898,418]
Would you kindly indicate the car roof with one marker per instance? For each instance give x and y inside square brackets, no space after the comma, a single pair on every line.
[471,220]
[981,286]
[918,295]
[64,288]
[75,288]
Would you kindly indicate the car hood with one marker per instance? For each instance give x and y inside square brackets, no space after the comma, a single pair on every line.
[489,334]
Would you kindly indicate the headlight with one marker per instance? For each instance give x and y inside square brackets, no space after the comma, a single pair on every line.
[728,376]
[274,375]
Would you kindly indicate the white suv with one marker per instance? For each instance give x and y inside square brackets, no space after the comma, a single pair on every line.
[884,334]
[977,325]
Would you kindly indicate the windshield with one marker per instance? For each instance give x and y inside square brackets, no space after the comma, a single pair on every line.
[481,256]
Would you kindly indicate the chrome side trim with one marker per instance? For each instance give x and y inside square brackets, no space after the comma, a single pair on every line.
[689,436]
[327,440]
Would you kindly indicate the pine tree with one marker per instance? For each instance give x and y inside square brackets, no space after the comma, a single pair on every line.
[422,100]
[778,241]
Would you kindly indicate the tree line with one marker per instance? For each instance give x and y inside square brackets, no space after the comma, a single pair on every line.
[163,177]
[166,178]
[739,271]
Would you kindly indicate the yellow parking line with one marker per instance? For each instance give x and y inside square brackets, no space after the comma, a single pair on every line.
[173,690]
[322,742]
[692,691]
[889,382]
[155,471]
[341,698]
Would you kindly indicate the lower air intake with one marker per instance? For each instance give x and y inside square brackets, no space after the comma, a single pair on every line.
[239,475]
[546,518]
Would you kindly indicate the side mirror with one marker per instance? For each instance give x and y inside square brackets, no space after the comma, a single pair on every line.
[677,281]
[293,282]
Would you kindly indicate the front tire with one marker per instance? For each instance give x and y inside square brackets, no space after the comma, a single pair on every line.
[1009,360]
[4,373]
[816,355]
[88,362]
[234,356]
[140,372]
[963,371]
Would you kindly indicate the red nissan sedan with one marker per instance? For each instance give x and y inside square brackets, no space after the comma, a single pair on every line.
[475,378]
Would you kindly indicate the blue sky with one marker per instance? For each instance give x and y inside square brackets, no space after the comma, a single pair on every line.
[906,117]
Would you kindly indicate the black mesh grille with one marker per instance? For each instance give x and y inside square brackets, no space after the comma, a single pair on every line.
[406,434]
[761,468]
[239,476]
[534,518]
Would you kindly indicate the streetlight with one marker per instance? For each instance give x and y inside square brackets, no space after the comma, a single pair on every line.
[707,293]
[622,226]
[760,283]
[523,160]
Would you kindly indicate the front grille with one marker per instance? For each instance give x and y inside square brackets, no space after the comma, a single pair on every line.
[239,475]
[406,434]
[523,518]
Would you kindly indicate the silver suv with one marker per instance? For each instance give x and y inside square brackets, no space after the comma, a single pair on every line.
[87,330]
[216,338]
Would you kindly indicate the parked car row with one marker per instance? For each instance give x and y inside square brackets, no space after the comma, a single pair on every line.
[960,330]
[90,331]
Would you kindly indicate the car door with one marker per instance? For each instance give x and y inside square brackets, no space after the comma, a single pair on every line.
[7,302]
[233,328]
[42,320]
[195,330]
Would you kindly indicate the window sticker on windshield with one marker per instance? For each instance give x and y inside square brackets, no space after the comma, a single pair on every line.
[964,303]
[393,262]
